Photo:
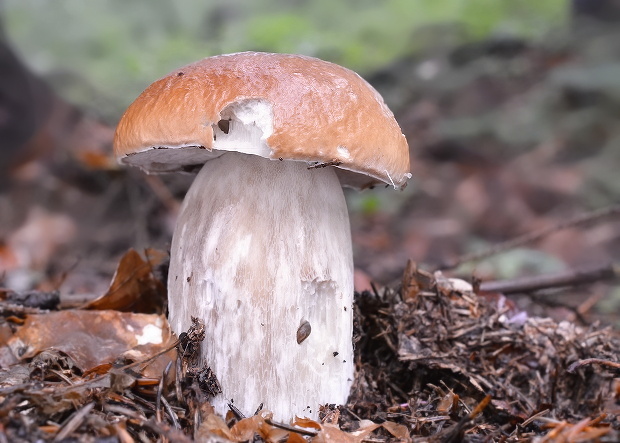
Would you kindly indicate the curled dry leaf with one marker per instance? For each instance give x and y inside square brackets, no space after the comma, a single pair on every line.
[397,430]
[333,434]
[307,423]
[448,403]
[213,425]
[295,438]
[244,430]
[91,338]
[134,287]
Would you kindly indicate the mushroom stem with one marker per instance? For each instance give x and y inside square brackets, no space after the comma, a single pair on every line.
[262,253]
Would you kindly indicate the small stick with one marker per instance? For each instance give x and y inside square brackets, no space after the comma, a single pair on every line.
[74,422]
[590,361]
[571,277]
[171,413]
[235,410]
[160,390]
[534,417]
[177,380]
[291,428]
[531,237]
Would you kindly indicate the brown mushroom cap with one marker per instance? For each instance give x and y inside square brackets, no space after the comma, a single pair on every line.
[321,112]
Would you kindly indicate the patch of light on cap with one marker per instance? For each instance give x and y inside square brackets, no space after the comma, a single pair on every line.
[343,153]
[247,125]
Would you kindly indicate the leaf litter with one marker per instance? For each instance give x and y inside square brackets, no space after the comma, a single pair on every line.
[435,360]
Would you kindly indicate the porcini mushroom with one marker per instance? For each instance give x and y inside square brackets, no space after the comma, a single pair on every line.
[262,247]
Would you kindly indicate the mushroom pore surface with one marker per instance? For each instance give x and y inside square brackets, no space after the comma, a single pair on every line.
[261,248]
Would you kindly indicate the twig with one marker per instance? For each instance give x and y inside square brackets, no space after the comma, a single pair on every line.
[171,413]
[291,428]
[532,418]
[235,410]
[74,422]
[590,361]
[531,237]
[160,389]
[572,277]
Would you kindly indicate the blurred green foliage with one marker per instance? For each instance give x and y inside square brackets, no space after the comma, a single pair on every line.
[121,46]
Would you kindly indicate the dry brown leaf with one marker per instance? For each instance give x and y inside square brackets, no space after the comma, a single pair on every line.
[333,434]
[91,338]
[271,433]
[98,370]
[584,430]
[294,437]
[134,287]
[213,424]
[447,403]
[245,429]
[397,430]
[307,423]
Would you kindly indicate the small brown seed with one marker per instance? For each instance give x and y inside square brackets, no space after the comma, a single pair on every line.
[303,331]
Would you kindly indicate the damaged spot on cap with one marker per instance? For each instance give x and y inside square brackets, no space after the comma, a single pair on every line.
[224,126]
[317,165]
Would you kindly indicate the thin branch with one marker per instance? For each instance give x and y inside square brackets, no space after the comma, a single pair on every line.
[596,361]
[531,237]
[74,422]
[571,277]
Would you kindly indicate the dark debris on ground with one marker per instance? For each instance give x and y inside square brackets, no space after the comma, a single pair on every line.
[436,362]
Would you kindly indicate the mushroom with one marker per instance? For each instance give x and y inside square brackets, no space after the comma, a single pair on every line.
[262,249]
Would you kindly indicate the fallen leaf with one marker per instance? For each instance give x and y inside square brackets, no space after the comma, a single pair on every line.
[134,287]
[304,422]
[293,437]
[91,338]
[397,430]
[333,434]
[213,424]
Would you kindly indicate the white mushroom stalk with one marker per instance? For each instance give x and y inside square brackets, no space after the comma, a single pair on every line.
[261,250]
